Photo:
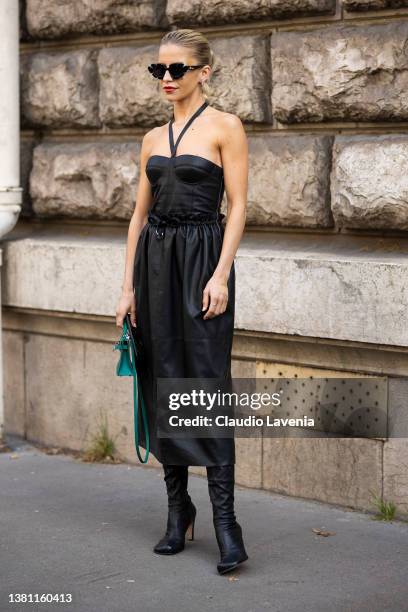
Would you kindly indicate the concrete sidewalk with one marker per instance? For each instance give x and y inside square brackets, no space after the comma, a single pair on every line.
[89,529]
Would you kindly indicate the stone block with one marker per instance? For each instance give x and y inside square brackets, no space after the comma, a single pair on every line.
[194,12]
[69,272]
[248,467]
[62,18]
[333,470]
[349,291]
[59,89]
[14,384]
[289,181]
[351,73]
[373,5]
[367,185]
[396,474]
[72,390]
[91,180]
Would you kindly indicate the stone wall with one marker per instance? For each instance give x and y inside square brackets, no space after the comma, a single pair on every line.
[322,269]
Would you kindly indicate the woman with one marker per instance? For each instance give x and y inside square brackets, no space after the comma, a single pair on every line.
[179,283]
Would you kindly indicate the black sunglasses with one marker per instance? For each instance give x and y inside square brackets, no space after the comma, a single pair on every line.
[177,71]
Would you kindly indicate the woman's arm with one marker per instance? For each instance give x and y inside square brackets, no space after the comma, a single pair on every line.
[127,302]
[234,153]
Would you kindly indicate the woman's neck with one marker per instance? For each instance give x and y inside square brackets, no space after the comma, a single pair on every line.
[185,109]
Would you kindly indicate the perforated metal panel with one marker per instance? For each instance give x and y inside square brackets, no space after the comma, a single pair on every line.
[346,406]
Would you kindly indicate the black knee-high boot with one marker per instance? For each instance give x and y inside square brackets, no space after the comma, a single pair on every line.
[181,511]
[221,480]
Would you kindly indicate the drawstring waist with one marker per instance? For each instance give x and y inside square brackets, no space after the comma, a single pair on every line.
[161,220]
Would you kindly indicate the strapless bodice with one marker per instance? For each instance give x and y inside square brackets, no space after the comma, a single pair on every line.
[185,183]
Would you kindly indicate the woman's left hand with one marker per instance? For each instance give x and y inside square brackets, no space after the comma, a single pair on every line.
[215,295]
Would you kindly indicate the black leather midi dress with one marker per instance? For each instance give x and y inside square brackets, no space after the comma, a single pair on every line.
[177,252]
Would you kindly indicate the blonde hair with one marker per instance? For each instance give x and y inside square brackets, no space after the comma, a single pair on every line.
[199,46]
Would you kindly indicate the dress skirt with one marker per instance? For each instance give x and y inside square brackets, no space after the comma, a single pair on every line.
[172,266]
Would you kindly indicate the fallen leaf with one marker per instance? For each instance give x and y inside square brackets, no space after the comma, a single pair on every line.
[323,532]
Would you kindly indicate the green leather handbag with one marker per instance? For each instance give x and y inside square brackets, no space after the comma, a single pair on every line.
[129,346]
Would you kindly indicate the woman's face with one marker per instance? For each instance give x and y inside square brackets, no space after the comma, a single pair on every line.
[176,89]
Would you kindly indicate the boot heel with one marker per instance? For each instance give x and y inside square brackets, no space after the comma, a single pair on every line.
[190,528]
[190,531]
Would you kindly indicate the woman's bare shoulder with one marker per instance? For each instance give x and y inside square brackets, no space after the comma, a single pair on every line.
[152,136]
[227,121]
[227,125]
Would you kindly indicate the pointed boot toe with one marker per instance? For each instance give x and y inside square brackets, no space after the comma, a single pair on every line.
[227,565]
[180,524]
[231,547]
[167,546]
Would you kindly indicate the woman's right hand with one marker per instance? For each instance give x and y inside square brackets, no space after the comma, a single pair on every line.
[127,303]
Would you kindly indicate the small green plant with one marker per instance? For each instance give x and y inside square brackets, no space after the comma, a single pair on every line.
[102,446]
[386,510]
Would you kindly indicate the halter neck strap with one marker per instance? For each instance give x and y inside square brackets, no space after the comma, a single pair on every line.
[173,147]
